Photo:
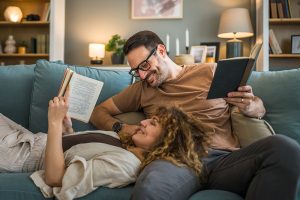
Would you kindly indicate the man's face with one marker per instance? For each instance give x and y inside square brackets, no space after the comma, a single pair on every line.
[156,74]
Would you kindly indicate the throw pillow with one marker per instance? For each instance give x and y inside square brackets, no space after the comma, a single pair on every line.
[132,118]
[48,77]
[280,92]
[249,130]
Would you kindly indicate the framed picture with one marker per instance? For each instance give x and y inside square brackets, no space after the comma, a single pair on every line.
[156,9]
[295,44]
[199,53]
[213,48]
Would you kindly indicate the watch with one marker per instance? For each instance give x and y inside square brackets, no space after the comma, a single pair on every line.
[117,126]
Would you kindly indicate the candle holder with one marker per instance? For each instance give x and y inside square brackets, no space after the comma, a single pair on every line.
[187,50]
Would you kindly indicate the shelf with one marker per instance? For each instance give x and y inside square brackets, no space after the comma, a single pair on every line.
[284,55]
[286,21]
[41,55]
[25,23]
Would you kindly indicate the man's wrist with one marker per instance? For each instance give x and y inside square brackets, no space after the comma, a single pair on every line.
[117,126]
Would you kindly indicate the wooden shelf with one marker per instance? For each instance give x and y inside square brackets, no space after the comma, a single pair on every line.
[286,21]
[41,55]
[284,55]
[25,23]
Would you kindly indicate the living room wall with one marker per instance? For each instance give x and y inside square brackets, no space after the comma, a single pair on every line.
[90,21]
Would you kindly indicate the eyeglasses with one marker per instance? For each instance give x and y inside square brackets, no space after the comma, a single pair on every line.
[143,66]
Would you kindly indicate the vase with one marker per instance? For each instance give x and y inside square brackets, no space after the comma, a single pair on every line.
[117,58]
[10,45]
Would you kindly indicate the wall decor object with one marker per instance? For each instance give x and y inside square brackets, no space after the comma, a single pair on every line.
[295,44]
[10,45]
[13,14]
[213,49]
[156,9]
[199,53]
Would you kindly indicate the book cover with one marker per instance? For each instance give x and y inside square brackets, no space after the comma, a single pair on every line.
[232,73]
[84,93]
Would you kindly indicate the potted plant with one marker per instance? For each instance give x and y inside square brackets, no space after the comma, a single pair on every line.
[115,44]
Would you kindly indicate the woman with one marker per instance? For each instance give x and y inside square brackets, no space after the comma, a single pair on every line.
[170,134]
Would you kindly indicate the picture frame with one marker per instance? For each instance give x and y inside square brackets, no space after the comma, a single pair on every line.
[199,53]
[156,9]
[213,50]
[295,40]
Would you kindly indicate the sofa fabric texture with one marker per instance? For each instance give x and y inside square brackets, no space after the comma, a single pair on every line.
[26,90]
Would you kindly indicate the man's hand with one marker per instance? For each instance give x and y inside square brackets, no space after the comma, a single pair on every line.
[247,103]
[130,129]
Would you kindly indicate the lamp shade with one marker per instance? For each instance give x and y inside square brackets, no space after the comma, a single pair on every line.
[235,23]
[13,14]
[96,50]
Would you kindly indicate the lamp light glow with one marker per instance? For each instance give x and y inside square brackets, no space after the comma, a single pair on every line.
[13,14]
[97,53]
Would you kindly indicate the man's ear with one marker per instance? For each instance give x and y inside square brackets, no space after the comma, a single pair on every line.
[162,50]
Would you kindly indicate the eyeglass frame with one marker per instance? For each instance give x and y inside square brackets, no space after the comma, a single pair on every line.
[136,70]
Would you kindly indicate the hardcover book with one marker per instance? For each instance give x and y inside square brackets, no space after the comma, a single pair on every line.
[84,92]
[232,73]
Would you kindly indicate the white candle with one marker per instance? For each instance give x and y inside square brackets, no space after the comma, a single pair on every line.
[187,38]
[177,46]
[168,43]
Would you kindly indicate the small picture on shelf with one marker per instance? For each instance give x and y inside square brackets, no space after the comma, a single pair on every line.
[199,53]
[295,44]
[212,54]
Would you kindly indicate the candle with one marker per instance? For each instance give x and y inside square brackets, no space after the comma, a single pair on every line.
[168,43]
[177,46]
[187,38]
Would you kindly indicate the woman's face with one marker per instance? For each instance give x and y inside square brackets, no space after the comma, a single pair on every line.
[148,134]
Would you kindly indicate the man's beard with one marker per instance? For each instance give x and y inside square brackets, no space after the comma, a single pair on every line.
[158,79]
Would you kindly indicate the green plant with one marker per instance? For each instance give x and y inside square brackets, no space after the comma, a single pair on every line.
[115,44]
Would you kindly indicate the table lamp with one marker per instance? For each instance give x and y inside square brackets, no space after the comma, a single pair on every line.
[235,23]
[96,53]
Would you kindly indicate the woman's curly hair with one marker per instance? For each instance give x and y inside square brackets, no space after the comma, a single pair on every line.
[183,141]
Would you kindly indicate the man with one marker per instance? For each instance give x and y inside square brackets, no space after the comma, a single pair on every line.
[267,169]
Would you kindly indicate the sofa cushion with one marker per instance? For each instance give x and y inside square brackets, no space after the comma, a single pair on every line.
[249,130]
[16,86]
[215,195]
[280,92]
[18,186]
[48,76]
[132,118]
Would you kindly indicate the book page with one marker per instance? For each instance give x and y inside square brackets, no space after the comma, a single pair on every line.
[84,93]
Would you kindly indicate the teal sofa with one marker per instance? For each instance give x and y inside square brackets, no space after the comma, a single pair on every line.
[26,89]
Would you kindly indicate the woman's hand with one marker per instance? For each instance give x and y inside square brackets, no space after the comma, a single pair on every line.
[57,110]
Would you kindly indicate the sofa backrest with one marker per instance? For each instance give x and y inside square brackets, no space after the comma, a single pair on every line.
[280,92]
[48,77]
[15,92]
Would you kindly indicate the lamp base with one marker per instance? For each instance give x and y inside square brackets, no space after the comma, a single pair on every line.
[234,48]
[96,62]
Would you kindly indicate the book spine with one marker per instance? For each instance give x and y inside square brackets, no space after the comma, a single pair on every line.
[280,9]
[273,9]
[275,42]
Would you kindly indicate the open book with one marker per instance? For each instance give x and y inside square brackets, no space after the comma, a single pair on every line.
[84,92]
[232,73]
